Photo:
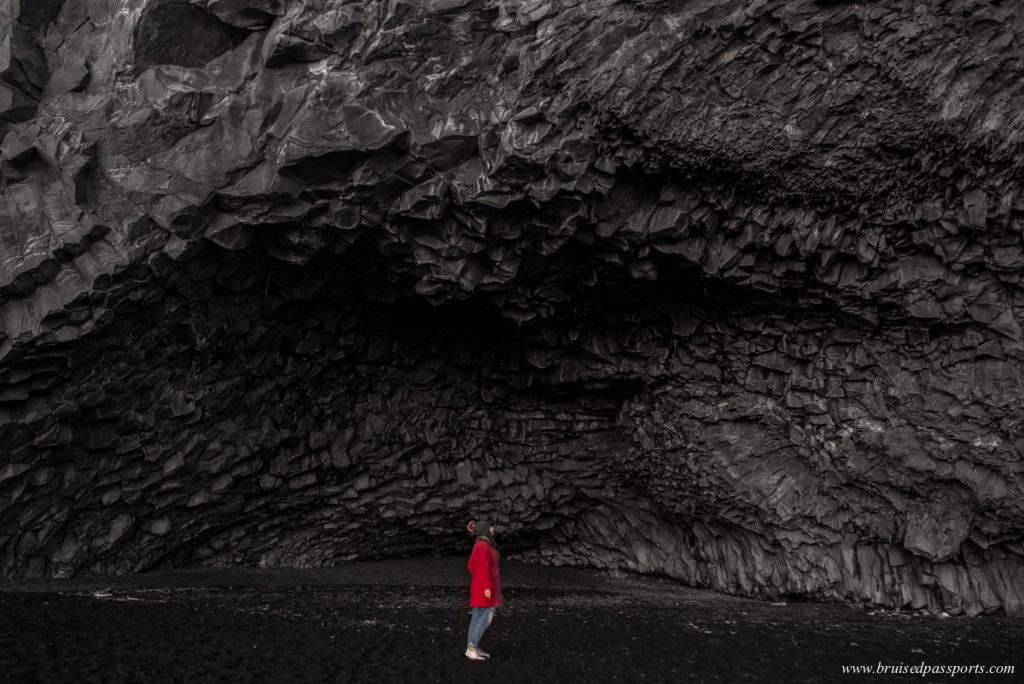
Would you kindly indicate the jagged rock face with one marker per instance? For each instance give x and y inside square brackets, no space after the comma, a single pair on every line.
[728,291]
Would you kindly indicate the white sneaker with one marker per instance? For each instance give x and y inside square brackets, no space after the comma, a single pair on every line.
[473,653]
[483,654]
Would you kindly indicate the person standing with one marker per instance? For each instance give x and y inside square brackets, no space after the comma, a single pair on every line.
[485,588]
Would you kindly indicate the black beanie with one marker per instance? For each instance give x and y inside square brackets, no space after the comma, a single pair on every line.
[480,528]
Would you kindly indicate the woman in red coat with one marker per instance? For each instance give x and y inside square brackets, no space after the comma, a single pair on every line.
[485,590]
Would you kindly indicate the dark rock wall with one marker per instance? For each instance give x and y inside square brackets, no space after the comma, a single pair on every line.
[728,291]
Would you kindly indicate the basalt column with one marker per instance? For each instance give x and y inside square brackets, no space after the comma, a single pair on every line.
[727,291]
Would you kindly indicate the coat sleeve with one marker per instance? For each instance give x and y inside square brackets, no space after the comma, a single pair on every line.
[480,565]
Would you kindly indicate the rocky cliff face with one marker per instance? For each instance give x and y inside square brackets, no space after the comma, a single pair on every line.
[728,291]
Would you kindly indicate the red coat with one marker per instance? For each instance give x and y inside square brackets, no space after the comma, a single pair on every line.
[483,563]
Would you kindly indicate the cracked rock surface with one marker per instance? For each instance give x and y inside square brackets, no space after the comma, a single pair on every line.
[726,291]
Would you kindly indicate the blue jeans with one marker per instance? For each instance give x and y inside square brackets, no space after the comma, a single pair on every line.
[479,623]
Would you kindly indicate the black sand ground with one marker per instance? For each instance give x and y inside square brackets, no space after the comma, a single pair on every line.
[405,621]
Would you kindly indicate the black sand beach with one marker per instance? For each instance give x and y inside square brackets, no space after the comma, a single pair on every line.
[405,622]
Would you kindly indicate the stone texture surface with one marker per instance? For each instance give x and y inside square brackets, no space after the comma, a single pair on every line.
[728,291]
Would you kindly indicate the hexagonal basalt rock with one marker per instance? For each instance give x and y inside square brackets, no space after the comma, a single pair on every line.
[725,291]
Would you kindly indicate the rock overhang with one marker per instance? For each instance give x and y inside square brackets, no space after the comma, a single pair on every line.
[730,293]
